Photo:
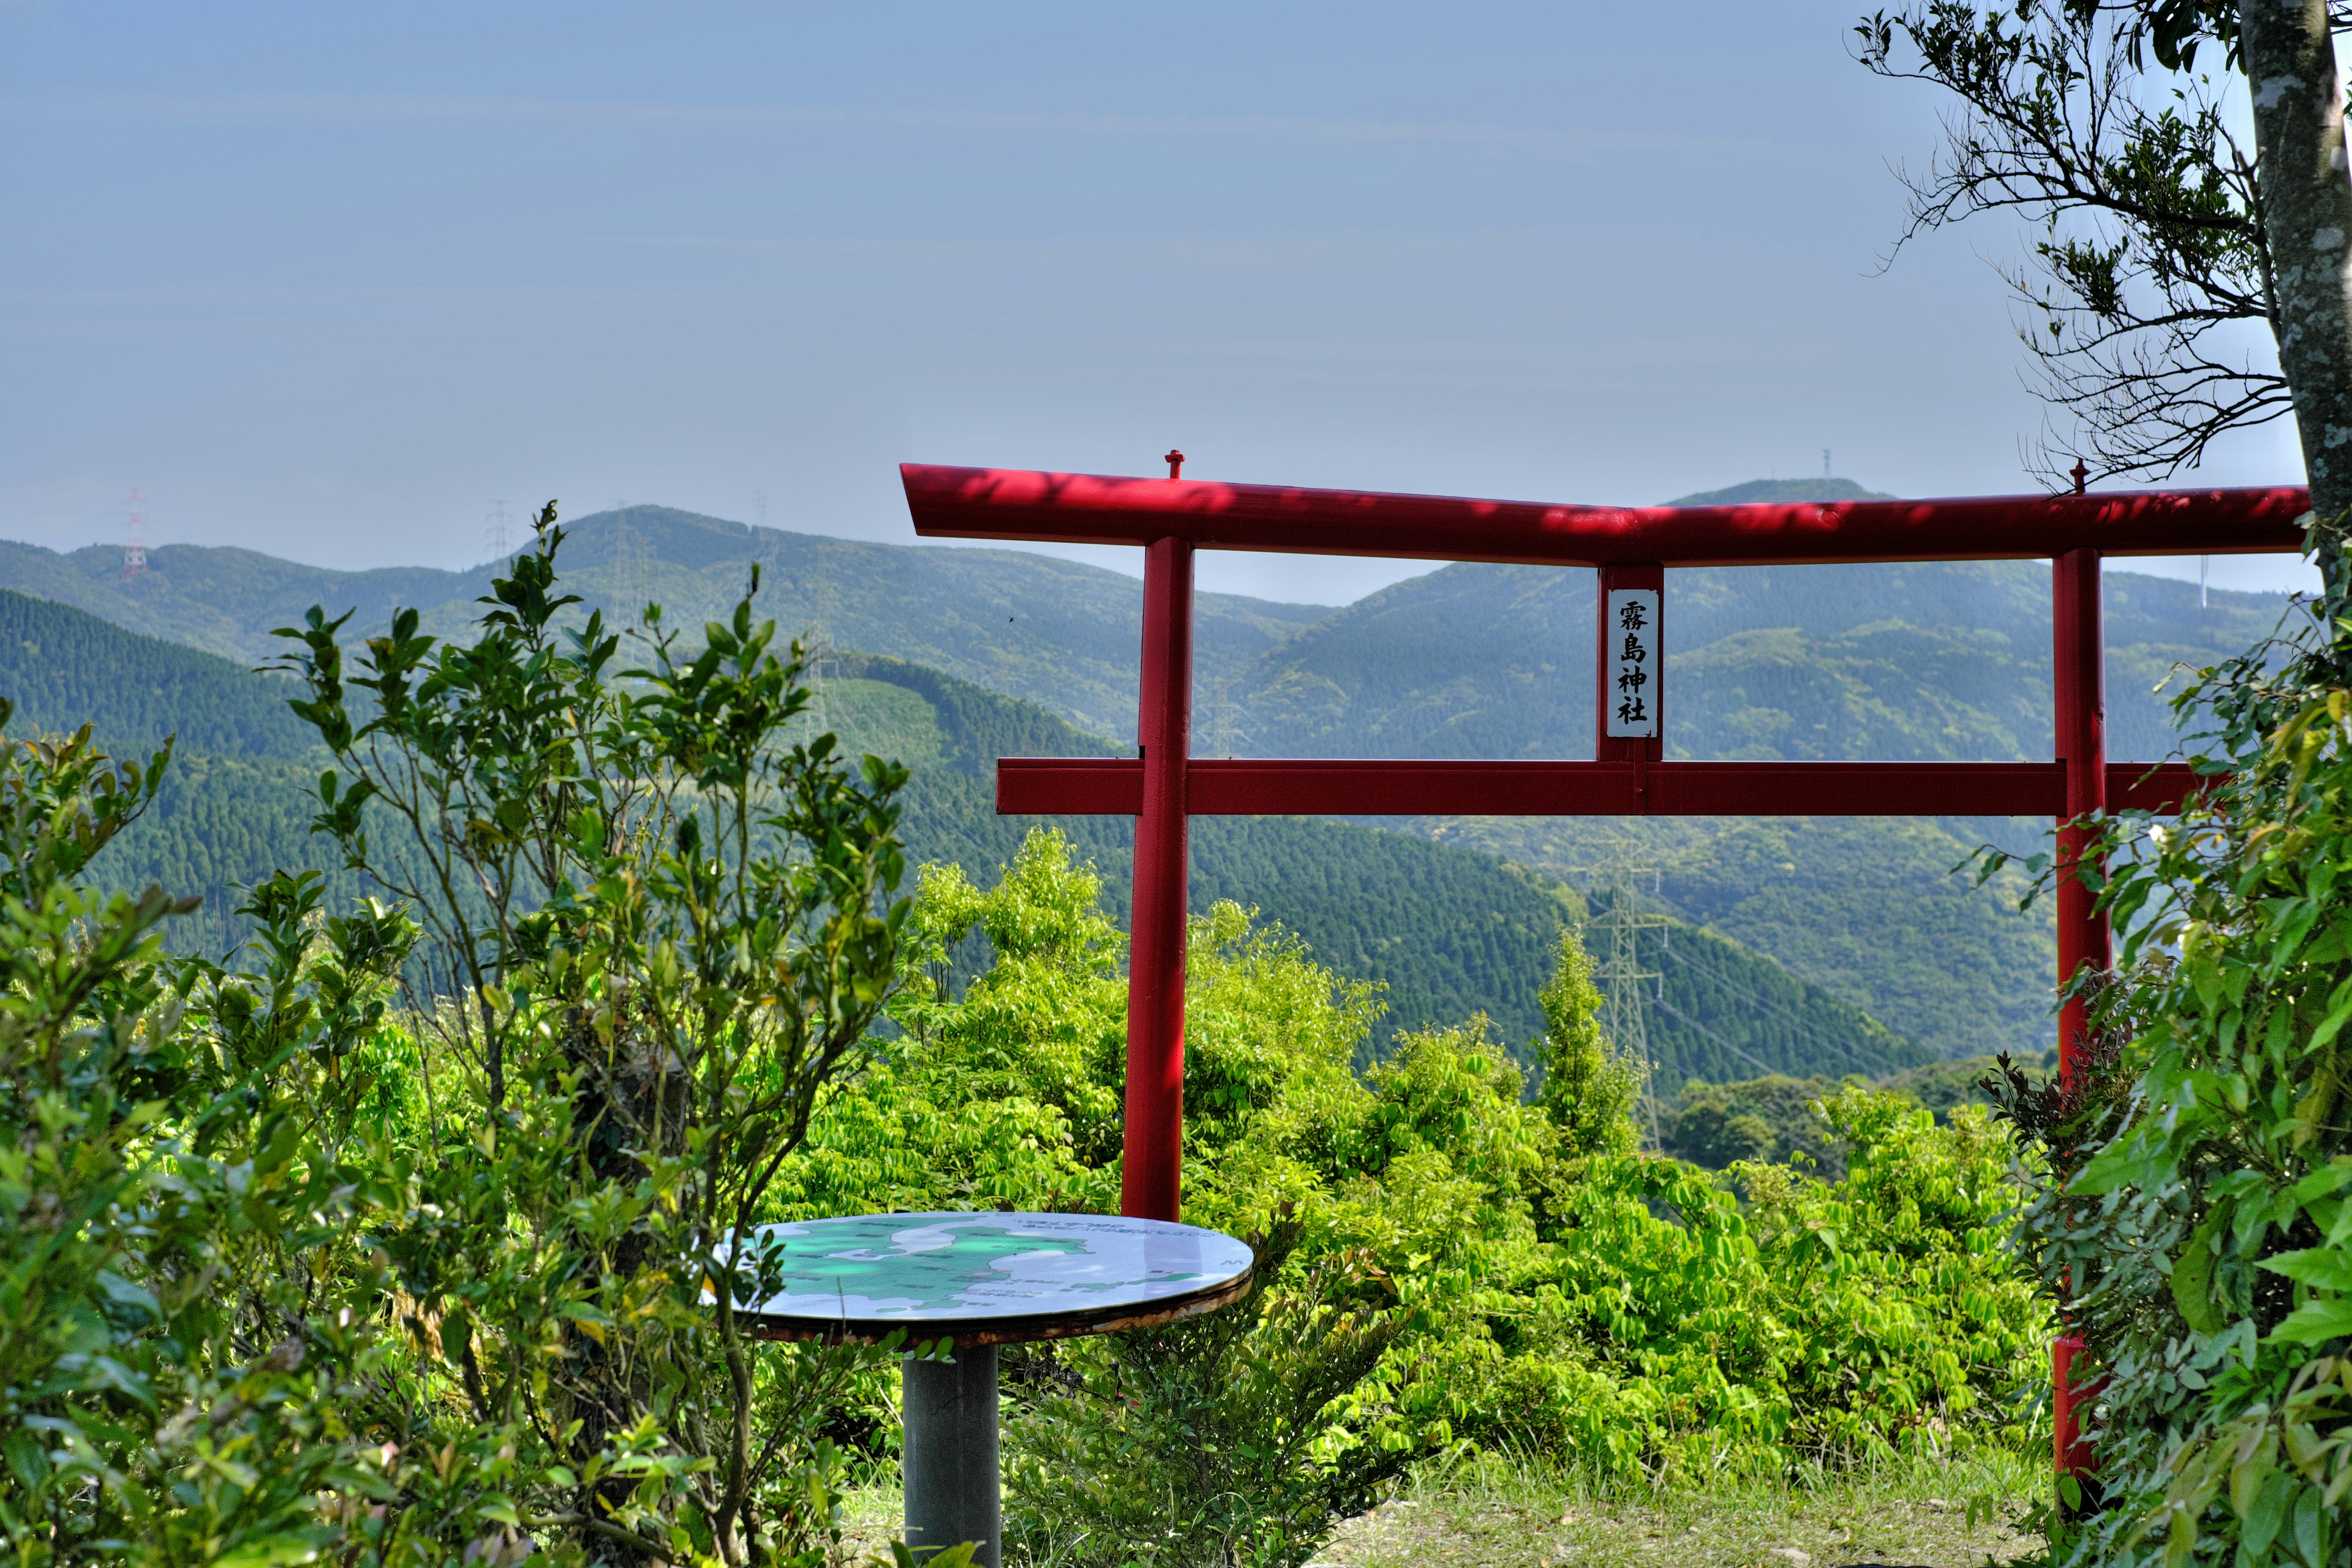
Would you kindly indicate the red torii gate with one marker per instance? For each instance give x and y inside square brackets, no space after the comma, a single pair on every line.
[1628,775]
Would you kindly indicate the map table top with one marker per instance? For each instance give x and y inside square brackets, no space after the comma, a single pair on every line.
[991,1278]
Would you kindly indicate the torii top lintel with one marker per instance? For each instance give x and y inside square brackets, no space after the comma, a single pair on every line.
[1015,504]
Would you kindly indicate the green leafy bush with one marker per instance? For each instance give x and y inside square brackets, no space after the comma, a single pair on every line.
[1770,1119]
[1211,1441]
[2196,1221]
[1547,1285]
[291,1273]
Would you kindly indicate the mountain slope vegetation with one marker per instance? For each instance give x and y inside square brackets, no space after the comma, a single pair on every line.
[1450,930]
[64,668]
[1056,632]
[1948,660]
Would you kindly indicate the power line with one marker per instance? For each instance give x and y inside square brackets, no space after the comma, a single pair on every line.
[1719,1040]
[1621,973]
[1793,1020]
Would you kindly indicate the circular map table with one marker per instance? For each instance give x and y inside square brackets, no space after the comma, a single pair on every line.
[980,1280]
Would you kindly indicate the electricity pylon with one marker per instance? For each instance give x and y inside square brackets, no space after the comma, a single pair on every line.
[818,639]
[1617,967]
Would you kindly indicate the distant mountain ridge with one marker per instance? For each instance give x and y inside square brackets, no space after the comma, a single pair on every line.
[1769,491]
[1056,632]
[1940,660]
[1919,660]
[1450,930]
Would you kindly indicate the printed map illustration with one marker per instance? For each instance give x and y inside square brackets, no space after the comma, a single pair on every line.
[950,1267]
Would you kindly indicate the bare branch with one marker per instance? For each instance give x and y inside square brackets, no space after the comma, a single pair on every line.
[2150,238]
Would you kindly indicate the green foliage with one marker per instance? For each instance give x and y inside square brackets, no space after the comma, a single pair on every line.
[1942,1087]
[1588,1088]
[2196,1219]
[655,998]
[189,1309]
[1774,1119]
[1211,1442]
[65,667]
[290,1274]
[1721,1010]
[1448,933]
[1549,1287]
[1862,911]
[1779,1119]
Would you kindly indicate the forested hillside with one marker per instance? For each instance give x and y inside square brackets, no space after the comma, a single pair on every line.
[1450,930]
[1948,660]
[1891,661]
[1945,660]
[1931,660]
[63,669]
[1056,632]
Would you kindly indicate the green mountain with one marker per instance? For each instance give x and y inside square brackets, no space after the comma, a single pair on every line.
[1451,931]
[1768,492]
[1931,660]
[233,806]
[65,667]
[1902,661]
[1056,632]
[1917,662]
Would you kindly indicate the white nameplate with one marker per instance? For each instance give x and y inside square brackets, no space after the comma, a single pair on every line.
[1632,669]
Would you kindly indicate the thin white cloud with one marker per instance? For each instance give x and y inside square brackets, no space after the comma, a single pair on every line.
[394,109]
[1317,255]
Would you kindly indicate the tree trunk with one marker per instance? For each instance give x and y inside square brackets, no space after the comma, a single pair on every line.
[631,1097]
[2307,195]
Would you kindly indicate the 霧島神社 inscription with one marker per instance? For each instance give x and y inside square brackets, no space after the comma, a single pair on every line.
[1636,671]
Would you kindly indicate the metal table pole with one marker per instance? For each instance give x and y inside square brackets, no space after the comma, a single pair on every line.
[949,1461]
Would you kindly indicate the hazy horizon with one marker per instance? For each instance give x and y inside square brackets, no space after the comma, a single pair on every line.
[331,283]
[1127,562]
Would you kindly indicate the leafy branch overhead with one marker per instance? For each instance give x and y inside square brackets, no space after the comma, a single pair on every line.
[2151,241]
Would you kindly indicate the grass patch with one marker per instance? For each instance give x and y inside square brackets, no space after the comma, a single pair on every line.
[1492,1511]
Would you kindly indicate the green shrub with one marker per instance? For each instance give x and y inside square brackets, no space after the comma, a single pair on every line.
[1214,1442]
[1770,1119]
[141,1412]
[1556,1291]
[2196,1221]
[287,1274]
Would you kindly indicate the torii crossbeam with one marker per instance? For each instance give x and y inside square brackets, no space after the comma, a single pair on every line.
[1627,775]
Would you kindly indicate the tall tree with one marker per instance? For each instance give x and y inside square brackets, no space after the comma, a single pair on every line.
[2159,226]
[658,935]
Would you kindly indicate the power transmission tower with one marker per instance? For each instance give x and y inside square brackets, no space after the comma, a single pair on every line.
[1626,984]
[820,634]
[135,548]
[629,555]
[1223,713]
[494,532]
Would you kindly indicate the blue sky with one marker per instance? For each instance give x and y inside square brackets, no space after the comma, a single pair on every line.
[328,281]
